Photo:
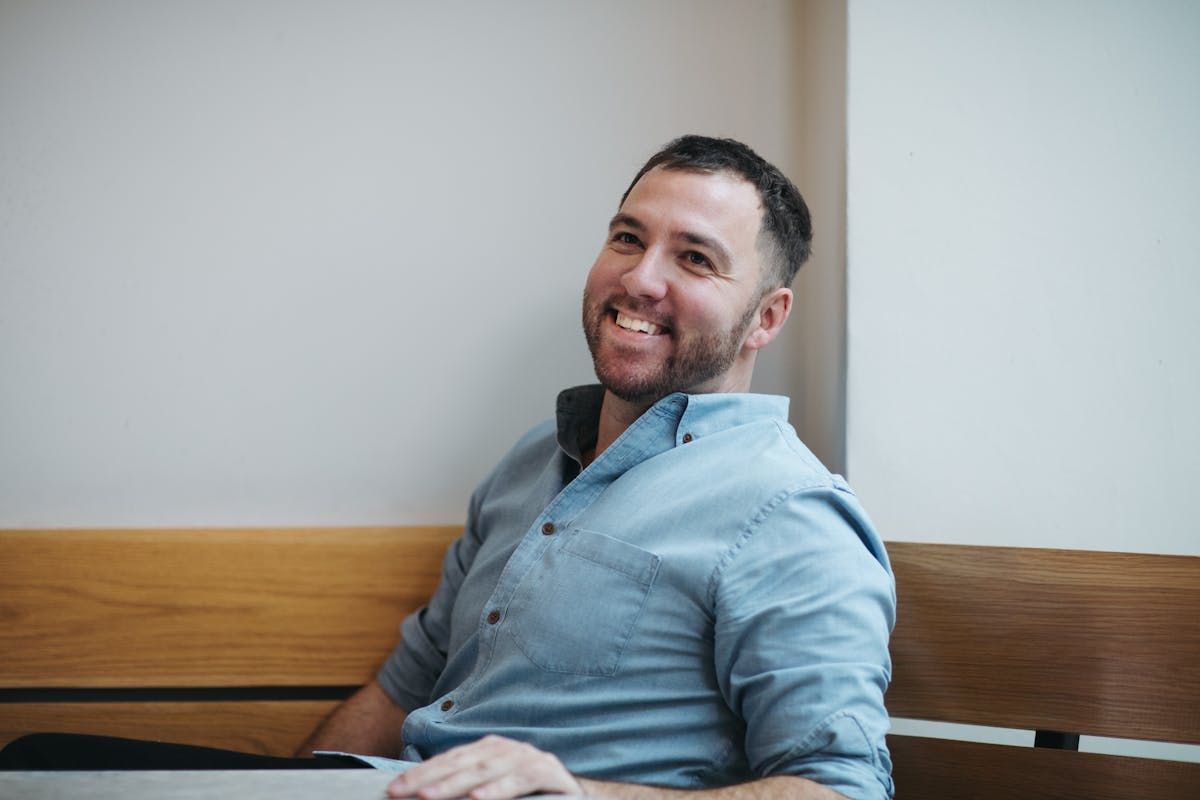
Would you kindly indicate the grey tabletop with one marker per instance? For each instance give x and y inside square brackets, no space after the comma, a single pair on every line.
[305,784]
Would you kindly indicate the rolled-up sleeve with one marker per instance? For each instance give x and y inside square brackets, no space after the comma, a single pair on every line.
[415,664]
[805,603]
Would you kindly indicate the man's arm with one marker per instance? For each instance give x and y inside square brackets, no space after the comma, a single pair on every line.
[779,787]
[367,723]
[495,768]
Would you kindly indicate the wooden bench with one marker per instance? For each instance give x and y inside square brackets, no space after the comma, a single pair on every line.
[247,638]
[1062,642]
[243,639]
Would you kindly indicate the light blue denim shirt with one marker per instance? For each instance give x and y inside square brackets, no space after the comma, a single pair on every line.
[703,605]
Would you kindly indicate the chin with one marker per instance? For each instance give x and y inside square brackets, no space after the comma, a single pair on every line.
[630,388]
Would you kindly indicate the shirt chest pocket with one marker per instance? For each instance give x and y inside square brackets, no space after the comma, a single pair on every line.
[576,610]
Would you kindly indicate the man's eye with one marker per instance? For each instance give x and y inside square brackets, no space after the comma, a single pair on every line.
[625,237]
[699,259]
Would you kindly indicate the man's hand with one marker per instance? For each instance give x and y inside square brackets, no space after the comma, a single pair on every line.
[493,768]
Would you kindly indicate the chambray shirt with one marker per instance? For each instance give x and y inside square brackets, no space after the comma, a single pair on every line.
[704,604]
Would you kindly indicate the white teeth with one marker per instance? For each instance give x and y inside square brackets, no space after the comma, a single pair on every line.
[631,324]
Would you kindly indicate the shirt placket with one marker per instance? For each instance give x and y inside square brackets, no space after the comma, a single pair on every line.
[651,434]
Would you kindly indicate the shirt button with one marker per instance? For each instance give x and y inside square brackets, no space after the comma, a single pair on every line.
[493,617]
[687,437]
[446,706]
[548,528]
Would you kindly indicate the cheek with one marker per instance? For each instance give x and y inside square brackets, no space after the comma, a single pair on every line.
[701,310]
[600,279]
[589,286]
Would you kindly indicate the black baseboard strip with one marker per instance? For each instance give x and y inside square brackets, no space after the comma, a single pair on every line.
[1056,740]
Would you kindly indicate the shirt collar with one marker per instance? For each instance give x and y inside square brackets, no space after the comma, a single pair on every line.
[707,414]
[685,415]
[578,415]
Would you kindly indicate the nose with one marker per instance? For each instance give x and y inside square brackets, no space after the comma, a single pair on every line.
[646,277]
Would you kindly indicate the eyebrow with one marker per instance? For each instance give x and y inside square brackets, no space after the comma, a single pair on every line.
[630,221]
[626,220]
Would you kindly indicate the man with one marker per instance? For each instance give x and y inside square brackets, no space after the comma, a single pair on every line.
[663,590]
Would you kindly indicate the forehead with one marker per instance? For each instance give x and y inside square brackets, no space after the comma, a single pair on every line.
[711,204]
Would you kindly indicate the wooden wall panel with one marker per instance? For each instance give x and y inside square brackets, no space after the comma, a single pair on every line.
[221,607]
[1083,642]
[942,769]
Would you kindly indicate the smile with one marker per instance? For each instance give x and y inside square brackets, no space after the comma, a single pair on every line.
[632,324]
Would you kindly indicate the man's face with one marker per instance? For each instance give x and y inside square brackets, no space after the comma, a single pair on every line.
[675,291]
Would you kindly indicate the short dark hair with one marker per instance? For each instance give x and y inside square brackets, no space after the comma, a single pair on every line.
[785,236]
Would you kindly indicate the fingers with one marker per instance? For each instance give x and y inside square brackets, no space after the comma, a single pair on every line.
[493,768]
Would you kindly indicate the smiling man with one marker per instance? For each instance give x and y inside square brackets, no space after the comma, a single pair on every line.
[671,298]
[663,589]
[678,300]
[660,591]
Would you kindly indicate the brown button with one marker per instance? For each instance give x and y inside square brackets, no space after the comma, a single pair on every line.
[446,706]
[548,528]
[687,437]
[493,617]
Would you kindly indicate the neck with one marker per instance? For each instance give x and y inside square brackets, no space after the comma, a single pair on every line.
[616,415]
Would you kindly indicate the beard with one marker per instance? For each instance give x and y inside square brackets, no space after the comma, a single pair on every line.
[697,358]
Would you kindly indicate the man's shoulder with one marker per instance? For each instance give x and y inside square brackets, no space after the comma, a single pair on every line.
[751,435]
[533,446]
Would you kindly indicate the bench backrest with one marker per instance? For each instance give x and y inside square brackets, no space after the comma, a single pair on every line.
[235,638]
[1061,642]
[247,638]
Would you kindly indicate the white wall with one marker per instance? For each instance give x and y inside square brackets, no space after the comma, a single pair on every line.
[1024,346]
[278,263]
[815,334]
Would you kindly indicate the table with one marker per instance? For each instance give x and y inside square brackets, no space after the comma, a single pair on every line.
[300,784]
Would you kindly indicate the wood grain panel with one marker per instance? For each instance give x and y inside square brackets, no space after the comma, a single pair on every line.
[268,727]
[1083,642]
[953,770]
[221,607]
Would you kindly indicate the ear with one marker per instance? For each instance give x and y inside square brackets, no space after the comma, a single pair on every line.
[773,311]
